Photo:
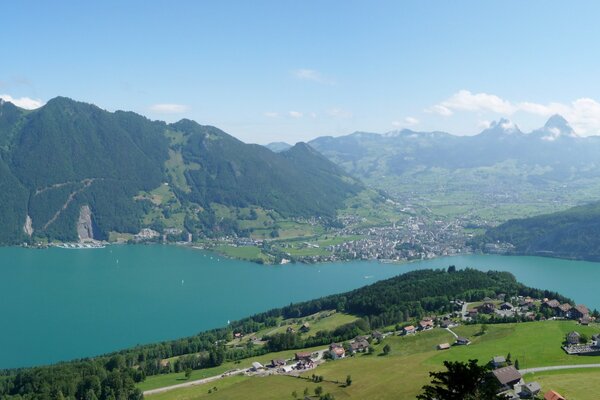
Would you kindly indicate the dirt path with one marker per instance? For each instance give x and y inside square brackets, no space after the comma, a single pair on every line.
[86,184]
[557,367]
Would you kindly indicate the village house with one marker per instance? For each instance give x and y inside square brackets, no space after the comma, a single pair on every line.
[498,362]
[596,340]
[305,327]
[377,335]
[507,377]
[336,351]
[530,390]
[487,308]
[564,310]
[506,306]
[573,337]
[290,330]
[462,341]
[303,356]
[448,323]
[408,330]
[552,395]
[551,304]
[579,311]
[426,324]
[359,346]
[256,366]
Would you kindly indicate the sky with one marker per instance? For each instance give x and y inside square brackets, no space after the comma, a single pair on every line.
[291,71]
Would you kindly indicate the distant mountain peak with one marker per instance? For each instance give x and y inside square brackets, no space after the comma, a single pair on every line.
[556,127]
[503,126]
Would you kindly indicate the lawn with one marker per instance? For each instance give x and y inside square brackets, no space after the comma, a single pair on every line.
[402,373]
[251,253]
[577,384]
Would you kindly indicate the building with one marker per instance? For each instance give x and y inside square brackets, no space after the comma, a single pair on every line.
[506,306]
[256,366]
[551,304]
[443,346]
[277,363]
[573,337]
[579,311]
[359,346]
[409,330]
[596,340]
[303,356]
[487,308]
[426,324]
[531,389]
[508,377]
[336,351]
[463,341]
[305,327]
[552,395]
[377,335]
[564,310]
[498,361]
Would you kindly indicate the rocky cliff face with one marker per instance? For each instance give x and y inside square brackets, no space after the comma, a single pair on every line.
[28,227]
[85,230]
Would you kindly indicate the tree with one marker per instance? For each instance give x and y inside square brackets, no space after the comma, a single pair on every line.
[305,392]
[460,381]
[294,394]
[348,380]
[188,373]
[483,329]
[508,359]
[386,349]
[517,363]
[583,338]
[318,390]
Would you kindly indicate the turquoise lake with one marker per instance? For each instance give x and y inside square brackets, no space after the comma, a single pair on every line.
[59,304]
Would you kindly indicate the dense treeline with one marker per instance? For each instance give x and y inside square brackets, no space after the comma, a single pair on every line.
[574,233]
[68,154]
[392,301]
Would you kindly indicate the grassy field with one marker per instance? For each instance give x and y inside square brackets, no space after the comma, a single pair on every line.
[251,253]
[402,373]
[577,384]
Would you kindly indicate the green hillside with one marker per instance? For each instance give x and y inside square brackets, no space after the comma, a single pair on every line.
[574,233]
[69,154]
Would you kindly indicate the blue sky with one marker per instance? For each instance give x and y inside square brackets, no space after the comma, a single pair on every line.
[293,70]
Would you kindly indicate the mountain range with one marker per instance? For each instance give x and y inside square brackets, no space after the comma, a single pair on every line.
[70,169]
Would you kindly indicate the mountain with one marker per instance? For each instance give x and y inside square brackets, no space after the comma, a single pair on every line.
[493,173]
[70,164]
[573,233]
[278,147]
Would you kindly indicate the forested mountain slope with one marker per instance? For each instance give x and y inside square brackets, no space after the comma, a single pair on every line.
[66,155]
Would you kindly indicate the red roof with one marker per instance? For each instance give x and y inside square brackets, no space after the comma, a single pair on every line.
[552,395]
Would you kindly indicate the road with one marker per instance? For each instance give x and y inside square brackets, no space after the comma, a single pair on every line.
[210,379]
[557,367]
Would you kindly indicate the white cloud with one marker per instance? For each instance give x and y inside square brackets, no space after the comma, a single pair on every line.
[313,76]
[339,113]
[271,114]
[169,108]
[295,114]
[583,114]
[464,100]
[24,102]
[406,122]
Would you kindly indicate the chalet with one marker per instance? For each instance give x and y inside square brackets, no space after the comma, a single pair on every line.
[408,330]
[531,390]
[564,310]
[573,337]
[426,324]
[305,327]
[579,311]
[526,303]
[448,323]
[336,351]
[473,313]
[498,362]
[585,320]
[487,308]
[551,304]
[506,306]
[377,335]
[238,335]
[443,346]
[303,356]
[359,346]
[279,362]
[462,341]
[596,340]
[552,395]
[508,377]
[290,330]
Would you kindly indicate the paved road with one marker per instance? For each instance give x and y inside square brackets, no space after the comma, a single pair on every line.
[453,334]
[557,367]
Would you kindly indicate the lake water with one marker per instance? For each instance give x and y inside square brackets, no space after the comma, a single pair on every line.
[59,304]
